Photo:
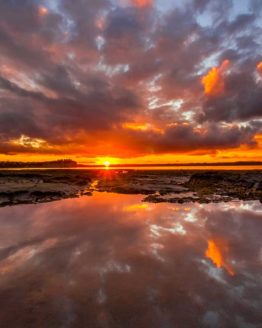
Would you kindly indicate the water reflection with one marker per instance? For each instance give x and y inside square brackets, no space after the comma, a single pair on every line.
[217,251]
[112,261]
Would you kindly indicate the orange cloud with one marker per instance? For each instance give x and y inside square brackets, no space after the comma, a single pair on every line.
[216,252]
[42,11]
[213,82]
[259,67]
[136,126]
[141,127]
[143,3]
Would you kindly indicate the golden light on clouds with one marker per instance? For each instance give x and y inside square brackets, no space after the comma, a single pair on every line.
[143,3]
[213,82]
[118,82]
[137,3]
[141,127]
[28,142]
[259,67]
[42,11]
[137,126]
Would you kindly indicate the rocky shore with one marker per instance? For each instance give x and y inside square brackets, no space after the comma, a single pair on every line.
[30,186]
[35,186]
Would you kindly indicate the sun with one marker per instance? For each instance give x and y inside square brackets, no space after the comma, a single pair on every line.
[106,161]
[107,164]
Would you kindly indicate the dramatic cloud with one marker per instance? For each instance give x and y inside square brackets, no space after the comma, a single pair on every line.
[129,78]
[240,101]
[259,67]
[183,137]
[213,82]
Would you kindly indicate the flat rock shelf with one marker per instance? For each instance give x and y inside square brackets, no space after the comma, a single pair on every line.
[37,186]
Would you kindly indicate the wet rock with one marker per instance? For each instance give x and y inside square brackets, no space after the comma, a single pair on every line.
[159,186]
[206,179]
[43,186]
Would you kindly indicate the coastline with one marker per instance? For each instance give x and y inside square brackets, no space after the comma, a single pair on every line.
[32,186]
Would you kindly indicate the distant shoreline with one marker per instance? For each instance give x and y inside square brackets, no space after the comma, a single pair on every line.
[70,164]
[175,165]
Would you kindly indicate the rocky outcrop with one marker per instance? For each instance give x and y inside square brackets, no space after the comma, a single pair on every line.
[20,187]
[42,186]
[234,185]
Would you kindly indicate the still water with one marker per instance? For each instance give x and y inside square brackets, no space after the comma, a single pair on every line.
[112,261]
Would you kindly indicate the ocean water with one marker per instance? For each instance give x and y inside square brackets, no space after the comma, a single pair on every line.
[111,260]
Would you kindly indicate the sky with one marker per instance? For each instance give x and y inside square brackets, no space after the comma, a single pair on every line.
[131,81]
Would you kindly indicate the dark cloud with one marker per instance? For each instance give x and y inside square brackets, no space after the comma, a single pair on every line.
[12,87]
[256,6]
[83,68]
[200,4]
[241,100]
[182,137]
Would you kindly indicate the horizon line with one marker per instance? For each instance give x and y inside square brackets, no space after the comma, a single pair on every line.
[257,163]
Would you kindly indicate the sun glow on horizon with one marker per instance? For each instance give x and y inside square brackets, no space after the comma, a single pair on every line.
[105,161]
[107,164]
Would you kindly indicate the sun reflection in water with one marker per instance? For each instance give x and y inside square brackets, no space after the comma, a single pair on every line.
[136,207]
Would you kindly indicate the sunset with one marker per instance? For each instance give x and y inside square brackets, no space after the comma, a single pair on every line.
[130,163]
[140,81]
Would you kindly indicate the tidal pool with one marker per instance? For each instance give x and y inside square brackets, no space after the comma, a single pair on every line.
[111,260]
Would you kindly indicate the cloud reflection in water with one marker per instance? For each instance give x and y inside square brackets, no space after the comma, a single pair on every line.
[112,261]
